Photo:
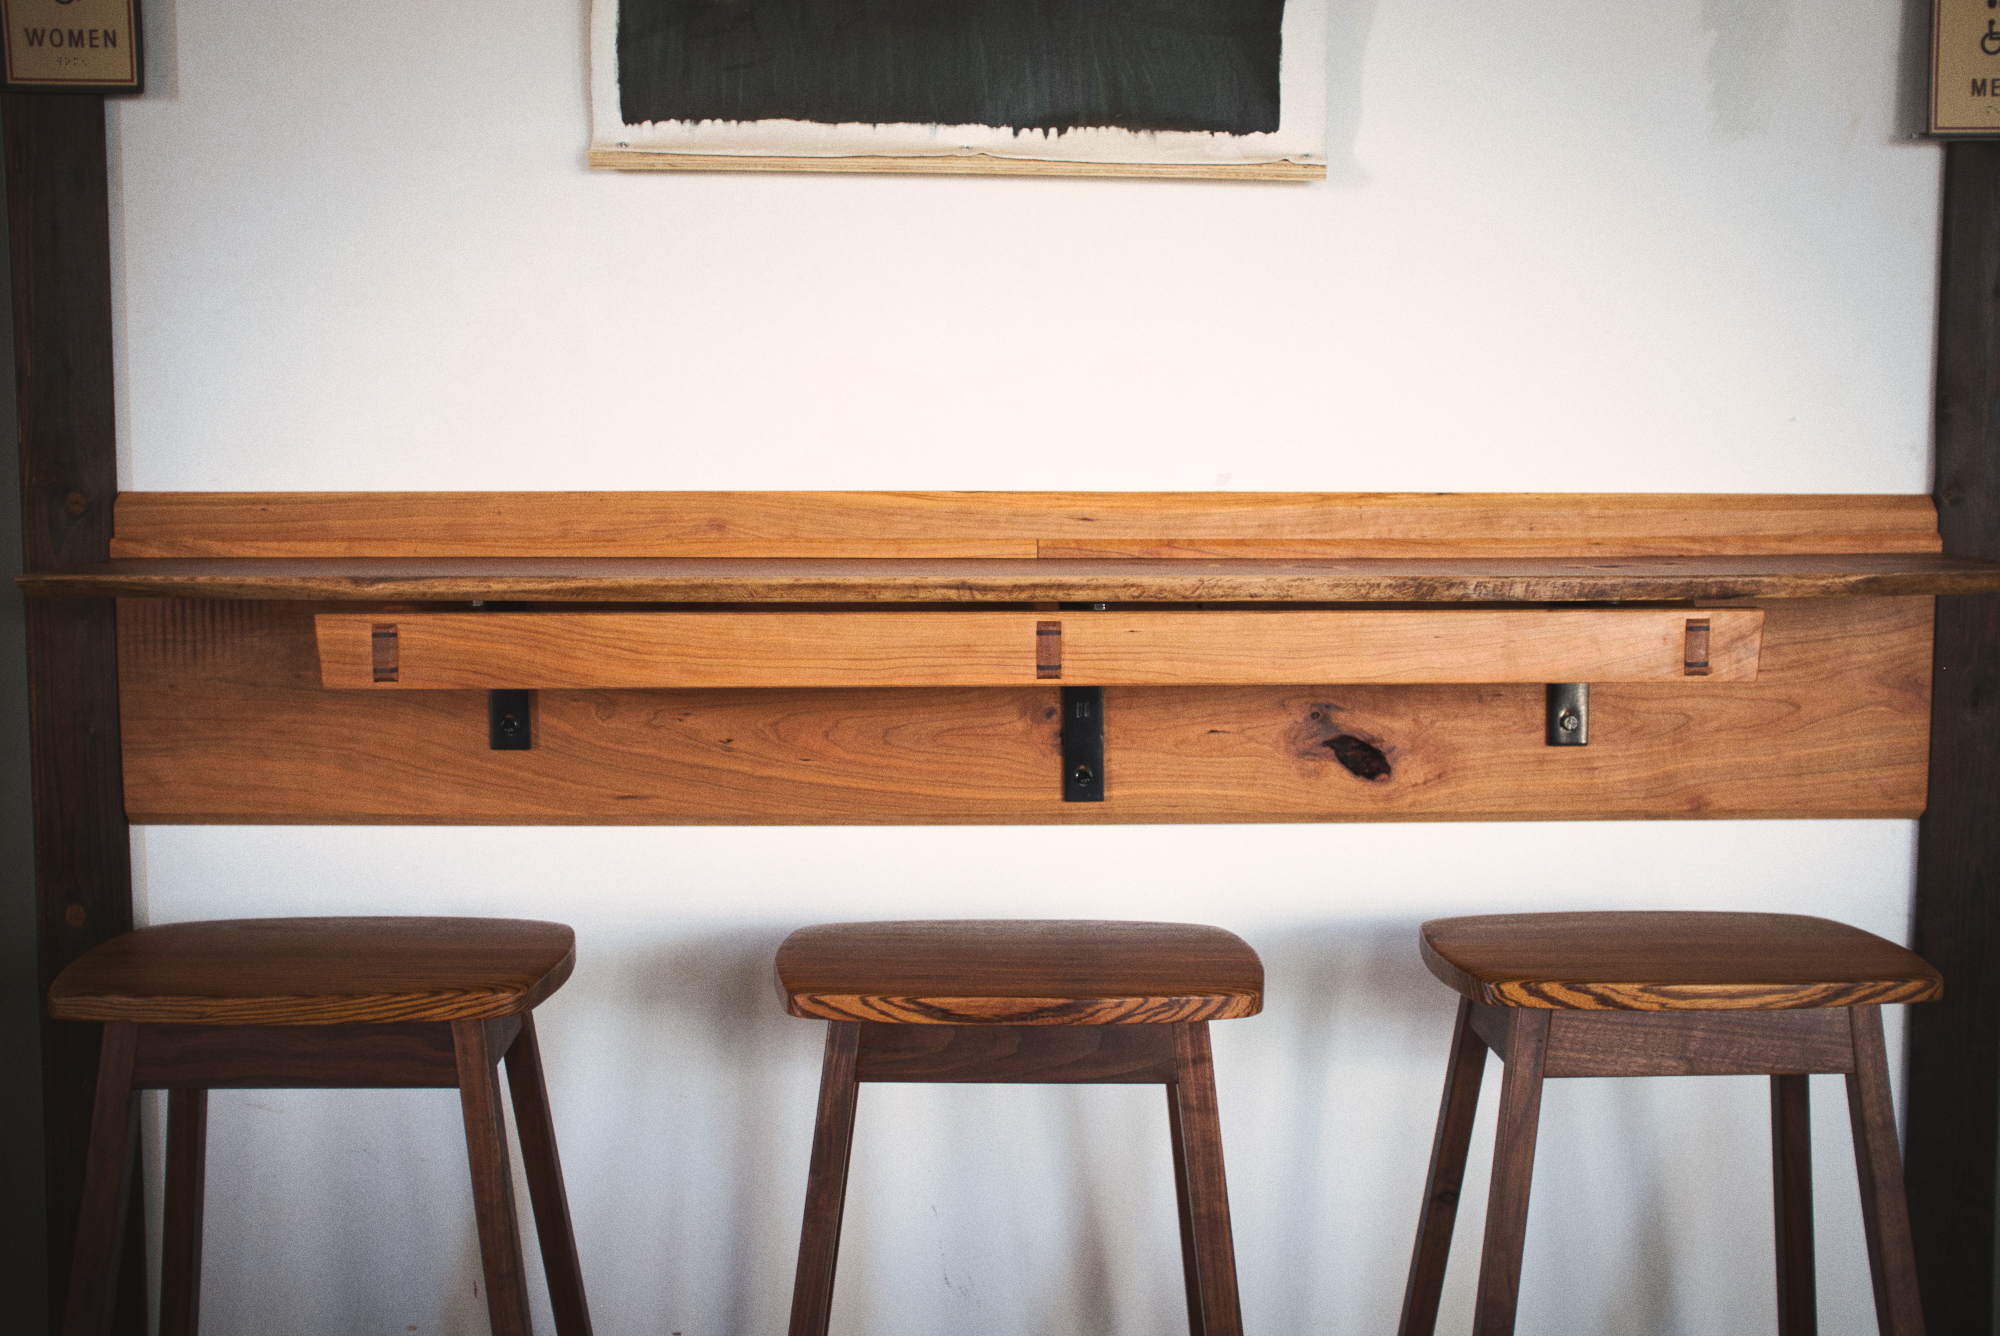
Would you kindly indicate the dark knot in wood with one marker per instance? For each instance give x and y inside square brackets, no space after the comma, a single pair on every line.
[1364,760]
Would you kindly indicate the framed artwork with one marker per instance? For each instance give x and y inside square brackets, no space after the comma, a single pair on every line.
[1201,88]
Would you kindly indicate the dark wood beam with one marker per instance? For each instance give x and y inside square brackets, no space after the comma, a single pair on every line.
[1953,1116]
[58,214]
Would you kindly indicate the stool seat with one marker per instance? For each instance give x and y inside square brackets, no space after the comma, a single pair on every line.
[1671,961]
[1019,972]
[1032,1001]
[318,971]
[273,1004]
[1635,994]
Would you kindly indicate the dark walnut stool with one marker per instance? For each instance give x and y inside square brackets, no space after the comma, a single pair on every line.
[1669,994]
[319,1002]
[1024,1001]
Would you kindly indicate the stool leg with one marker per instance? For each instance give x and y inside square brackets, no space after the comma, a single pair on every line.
[107,1183]
[1513,1170]
[826,1181]
[180,1237]
[1791,1179]
[492,1180]
[1447,1175]
[1208,1253]
[546,1194]
[1885,1211]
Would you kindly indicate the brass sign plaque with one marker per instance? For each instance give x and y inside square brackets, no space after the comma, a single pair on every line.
[75,46]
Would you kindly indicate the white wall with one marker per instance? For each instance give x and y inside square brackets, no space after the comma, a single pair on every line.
[1565,246]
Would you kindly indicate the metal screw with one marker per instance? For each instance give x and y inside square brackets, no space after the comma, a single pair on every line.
[1569,723]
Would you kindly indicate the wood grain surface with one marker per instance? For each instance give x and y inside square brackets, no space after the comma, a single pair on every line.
[1797,1041]
[225,720]
[318,971]
[1235,525]
[727,580]
[1017,1054]
[59,240]
[1953,1113]
[1792,1208]
[462,650]
[1019,972]
[980,164]
[413,1055]
[1670,961]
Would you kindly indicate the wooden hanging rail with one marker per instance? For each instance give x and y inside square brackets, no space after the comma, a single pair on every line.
[462,650]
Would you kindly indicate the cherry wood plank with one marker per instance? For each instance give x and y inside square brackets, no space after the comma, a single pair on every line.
[1013,1054]
[1019,972]
[724,580]
[1698,1043]
[1669,960]
[1327,525]
[225,720]
[318,971]
[463,650]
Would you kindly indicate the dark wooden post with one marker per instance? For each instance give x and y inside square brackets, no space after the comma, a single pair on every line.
[1953,1117]
[59,233]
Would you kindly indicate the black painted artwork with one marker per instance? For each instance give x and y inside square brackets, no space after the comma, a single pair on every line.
[1029,65]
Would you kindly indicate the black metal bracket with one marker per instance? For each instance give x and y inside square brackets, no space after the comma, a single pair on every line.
[1083,744]
[510,713]
[1568,715]
[510,716]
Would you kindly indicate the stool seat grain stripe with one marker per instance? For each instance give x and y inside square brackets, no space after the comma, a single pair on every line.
[1019,972]
[1671,961]
[318,971]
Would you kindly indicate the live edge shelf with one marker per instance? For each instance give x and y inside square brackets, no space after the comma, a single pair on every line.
[955,580]
[902,657]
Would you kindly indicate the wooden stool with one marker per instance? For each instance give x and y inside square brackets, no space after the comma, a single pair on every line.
[319,1002]
[1024,1001]
[1669,994]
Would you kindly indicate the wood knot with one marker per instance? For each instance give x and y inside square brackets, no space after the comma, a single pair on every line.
[76,503]
[1363,760]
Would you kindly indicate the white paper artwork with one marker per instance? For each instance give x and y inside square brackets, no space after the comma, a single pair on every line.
[1196,85]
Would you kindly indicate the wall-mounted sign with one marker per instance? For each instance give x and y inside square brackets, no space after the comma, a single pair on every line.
[72,46]
[1965,67]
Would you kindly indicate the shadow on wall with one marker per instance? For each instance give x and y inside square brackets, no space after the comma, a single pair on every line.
[1347,26]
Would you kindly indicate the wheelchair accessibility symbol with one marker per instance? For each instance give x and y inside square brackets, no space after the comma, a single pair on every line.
[1990,43]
